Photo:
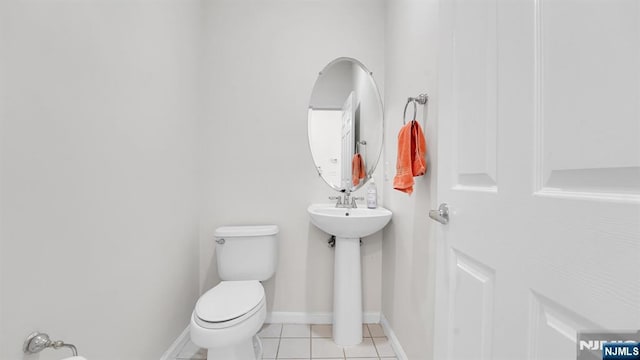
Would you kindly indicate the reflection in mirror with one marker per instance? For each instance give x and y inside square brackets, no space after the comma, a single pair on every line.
[345,124]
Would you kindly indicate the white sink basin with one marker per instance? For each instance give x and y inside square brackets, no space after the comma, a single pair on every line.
[348,223]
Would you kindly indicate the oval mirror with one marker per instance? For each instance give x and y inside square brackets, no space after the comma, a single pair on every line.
[345,124]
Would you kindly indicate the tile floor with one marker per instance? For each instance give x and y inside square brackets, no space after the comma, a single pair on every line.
[289,341]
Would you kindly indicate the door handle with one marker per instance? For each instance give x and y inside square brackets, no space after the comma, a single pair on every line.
[441,215]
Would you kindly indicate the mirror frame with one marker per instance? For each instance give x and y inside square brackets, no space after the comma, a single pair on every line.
[379,98]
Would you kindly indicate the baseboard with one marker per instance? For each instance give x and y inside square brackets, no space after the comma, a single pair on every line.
[177,345]
[313,318]
[393,339]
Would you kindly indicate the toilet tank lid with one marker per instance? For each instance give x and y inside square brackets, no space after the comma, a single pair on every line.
[252,230]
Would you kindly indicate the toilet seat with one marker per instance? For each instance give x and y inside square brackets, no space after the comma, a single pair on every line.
[229,303]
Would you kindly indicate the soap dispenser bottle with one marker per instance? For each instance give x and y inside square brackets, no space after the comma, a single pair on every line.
[372,195]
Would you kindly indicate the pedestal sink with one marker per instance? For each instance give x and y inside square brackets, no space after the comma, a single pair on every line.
[348,226]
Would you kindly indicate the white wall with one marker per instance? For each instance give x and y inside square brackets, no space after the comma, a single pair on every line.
[408,249]
[263,59]
[98,213]
[3,10]
[99,175]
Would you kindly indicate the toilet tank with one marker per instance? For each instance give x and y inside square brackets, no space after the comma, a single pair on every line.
[246,252]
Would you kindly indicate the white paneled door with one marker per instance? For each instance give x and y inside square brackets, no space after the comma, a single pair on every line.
[539,161]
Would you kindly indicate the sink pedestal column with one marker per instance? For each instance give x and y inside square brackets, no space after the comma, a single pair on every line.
[347,292]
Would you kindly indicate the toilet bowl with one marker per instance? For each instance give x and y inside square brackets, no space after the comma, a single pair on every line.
[227,317]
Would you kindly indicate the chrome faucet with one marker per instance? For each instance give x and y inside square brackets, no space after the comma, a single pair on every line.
[340,203]
[347,201]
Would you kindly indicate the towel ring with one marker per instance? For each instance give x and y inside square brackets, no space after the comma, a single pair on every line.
[415,110]
[421,99]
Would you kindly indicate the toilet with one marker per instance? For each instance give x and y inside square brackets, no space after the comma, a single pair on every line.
[227,318]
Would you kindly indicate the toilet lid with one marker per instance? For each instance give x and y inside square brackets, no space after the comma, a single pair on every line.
[229,300]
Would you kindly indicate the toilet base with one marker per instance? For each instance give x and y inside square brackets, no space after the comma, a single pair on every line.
[237,342]
[250,349]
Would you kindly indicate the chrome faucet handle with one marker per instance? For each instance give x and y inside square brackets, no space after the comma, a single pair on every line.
[354,204]
[336,198]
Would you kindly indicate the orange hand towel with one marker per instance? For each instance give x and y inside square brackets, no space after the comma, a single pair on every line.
[412,148]
[357,169]
[419,150]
